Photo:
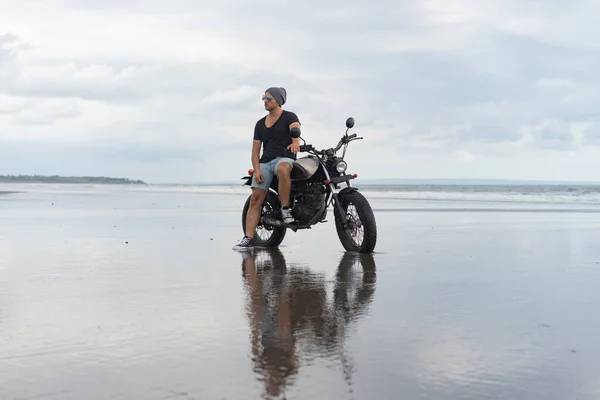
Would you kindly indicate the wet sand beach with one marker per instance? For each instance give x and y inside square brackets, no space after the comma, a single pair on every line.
[135,293]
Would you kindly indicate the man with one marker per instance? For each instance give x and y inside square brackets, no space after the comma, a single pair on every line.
[279,153]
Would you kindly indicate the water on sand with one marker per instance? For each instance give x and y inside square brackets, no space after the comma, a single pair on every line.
[121,293]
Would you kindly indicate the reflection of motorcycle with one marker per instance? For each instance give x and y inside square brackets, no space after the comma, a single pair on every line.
[293,311]
[315,179]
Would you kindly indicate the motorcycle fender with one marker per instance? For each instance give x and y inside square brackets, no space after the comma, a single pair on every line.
[346,190]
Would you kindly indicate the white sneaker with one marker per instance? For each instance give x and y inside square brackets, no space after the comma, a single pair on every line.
[286,213]
[245,243]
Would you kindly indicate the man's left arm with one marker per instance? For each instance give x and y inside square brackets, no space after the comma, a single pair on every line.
[295,146]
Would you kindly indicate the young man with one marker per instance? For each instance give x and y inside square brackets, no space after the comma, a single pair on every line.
[279,153]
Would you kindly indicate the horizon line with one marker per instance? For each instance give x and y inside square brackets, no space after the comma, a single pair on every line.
[405,180]
[358,181]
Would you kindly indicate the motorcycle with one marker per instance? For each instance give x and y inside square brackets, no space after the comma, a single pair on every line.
[316,179]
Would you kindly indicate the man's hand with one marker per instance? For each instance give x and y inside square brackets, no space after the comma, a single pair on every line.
[295,146]
[258,176]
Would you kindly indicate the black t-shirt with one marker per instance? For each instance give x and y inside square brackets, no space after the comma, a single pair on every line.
[277,138]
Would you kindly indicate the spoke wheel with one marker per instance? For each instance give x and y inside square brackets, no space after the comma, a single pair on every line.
[266,235]
[360,234]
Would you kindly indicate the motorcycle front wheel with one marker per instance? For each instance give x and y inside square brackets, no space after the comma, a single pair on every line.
[361,233]
[266,235]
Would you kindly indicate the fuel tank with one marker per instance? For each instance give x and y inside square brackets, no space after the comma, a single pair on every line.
[304,168]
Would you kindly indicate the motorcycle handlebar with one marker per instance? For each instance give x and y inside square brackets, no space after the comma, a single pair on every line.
[309,147]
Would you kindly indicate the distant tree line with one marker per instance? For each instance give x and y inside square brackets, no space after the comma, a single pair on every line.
[69,179]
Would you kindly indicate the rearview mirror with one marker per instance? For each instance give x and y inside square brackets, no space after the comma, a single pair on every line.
[349,122]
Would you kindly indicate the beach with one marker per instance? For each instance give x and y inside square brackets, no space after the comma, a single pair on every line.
[134,292]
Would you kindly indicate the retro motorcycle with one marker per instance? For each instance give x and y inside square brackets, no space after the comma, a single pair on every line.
[316,179]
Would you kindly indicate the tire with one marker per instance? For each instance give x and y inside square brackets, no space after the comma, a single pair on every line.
[367,218]
[278,233]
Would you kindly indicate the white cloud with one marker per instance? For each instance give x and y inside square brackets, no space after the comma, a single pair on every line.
[464,157]
[431,84]
[242,94]
[559,83]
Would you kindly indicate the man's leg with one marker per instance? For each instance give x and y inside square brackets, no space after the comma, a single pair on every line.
[259,192]
[284,169]
[253,215]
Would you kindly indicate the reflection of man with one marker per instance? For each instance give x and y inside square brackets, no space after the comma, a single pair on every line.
[281,303]
[273,345]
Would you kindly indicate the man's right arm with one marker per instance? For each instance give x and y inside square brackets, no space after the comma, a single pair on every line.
[256,154]
[256,143]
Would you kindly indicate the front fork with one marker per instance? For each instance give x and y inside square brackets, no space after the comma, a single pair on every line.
[337,197]
[340,209]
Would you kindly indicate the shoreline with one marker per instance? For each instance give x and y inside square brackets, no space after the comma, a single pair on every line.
[69,179]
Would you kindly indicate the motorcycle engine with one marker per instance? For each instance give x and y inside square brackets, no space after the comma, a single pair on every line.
[307,205]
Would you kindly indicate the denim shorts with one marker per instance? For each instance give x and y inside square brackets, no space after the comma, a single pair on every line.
[269,171]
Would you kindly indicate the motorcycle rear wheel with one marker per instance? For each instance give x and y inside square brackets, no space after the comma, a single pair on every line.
[362,218]
[271,205]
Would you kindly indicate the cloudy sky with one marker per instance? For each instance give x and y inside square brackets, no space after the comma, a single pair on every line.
[170,91]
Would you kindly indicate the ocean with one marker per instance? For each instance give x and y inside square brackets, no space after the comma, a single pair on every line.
[573,196]
[542,195]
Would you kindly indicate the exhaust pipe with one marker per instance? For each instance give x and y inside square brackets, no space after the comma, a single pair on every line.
[272,221]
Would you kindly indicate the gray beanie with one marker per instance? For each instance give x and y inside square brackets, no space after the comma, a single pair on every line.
[279,93]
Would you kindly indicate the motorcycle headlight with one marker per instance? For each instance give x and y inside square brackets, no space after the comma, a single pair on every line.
[341,167]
